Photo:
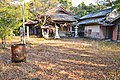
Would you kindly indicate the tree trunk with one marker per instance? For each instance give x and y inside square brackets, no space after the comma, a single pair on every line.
[4,42]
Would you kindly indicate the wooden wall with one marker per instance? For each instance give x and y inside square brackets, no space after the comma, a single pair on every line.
[116,30]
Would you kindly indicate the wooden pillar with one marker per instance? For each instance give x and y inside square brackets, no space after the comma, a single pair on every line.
[23,4]
[43,32]
[21,35]
[115,31]
[47,35]
[118,33]
[35,31]
[70,28]
[27,33]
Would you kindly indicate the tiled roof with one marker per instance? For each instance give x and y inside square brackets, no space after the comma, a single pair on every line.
[60,14]
[98,13]
[90,21]
[57,10]
[63,17]
[30,22]
[99,17]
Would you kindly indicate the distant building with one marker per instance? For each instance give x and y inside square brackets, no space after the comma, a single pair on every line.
[33,28]
[103,24]
[60,25]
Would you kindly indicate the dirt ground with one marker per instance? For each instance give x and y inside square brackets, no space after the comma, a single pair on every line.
[63,59]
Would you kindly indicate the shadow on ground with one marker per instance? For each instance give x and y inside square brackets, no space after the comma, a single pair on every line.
[61,60]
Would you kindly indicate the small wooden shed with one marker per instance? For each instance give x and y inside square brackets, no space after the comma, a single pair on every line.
[33,29]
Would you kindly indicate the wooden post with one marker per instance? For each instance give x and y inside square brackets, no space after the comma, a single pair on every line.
[43,32]
[27,33]
[70,28]
[47,33]
[23,22]
[21,35]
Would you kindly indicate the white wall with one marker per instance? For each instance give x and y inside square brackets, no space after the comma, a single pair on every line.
[95,31]
[95,28]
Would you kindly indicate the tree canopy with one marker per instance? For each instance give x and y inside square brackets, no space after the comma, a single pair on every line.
[10,17]
[117,4]
[83,9]
[41,6]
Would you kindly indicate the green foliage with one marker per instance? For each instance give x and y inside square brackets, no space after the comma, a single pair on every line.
[66,4]
[105,3]
[5,1]
[41,6]
[10,17]
[83,9]
[117,4]
[27,13]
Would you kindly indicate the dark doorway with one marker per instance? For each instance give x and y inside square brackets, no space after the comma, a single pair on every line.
[81,31]
[118,32]
[107,32]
